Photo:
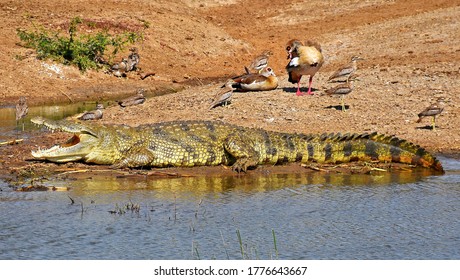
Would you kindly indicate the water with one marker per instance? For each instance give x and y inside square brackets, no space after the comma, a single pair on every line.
[312,216]
[9,130]
[402,215]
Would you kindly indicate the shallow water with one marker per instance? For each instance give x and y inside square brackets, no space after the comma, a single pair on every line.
[9,128]
[405,215]
[312,216]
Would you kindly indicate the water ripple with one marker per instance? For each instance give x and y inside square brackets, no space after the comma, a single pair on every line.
[319,216]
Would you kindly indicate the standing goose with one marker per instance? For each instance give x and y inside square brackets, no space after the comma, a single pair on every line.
[304,60]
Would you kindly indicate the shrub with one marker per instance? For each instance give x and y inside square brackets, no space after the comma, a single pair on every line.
[86,51]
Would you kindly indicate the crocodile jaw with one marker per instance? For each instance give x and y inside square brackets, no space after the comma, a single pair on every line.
[76,148]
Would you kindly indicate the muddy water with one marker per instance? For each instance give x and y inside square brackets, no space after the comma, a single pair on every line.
[312,216]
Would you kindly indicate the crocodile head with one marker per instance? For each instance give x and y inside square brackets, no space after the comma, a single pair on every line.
[81,146]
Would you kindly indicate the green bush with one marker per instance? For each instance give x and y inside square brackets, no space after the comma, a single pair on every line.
[85,51]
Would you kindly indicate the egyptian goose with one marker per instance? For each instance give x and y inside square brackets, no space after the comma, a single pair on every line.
[224,96]
[432,111]
[304,60]
[342,90]
[139,98]
[260,62]
[266,80]
[120,69]
[346,70]
[92,115]
[21,110]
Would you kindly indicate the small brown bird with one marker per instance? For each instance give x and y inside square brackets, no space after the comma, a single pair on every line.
[432,111]
[133,60]
[342,90]
[92,115]
[224,96]
[21,110]
[346,70]
[266,80]
[260,62]
[139,98]
[304,60]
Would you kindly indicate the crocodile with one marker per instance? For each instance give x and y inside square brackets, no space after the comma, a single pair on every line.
[211,143]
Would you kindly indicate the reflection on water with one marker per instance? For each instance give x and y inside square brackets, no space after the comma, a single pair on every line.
[314,216]
[192,187]
[8,119]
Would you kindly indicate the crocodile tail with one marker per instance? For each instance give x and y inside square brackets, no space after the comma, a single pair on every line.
[406,152]
[373,146]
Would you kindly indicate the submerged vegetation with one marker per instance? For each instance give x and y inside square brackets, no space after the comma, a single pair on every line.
[128,207]
[85,51]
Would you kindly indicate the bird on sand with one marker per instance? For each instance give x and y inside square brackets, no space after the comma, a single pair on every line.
[432,111]
[346,70]
[266,80]
[260,62]
[21,110]
[92,115]
[120,69]
[305,59]
[139,98]
[224,96]
[133,60]
[342,90]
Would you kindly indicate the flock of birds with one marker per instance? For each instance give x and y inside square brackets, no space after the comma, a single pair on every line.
[126,64]
[304,59]
[97,114]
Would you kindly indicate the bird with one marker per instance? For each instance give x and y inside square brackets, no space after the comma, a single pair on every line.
[120,68]
[305,59]
[342,90]
[224,96]
[133,60]
[432,111]
[92,115]
[21,110]
[346,70]
[139,98]
[266,80]
[260,62]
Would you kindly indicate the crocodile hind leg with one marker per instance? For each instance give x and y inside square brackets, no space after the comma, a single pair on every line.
[242,149]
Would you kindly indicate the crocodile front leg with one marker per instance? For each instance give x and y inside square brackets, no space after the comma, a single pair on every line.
[242,149]
[138,158]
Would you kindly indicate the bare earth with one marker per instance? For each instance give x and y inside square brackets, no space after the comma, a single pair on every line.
[411,48]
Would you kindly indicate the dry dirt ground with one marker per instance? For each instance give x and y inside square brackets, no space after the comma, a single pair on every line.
[411,48]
